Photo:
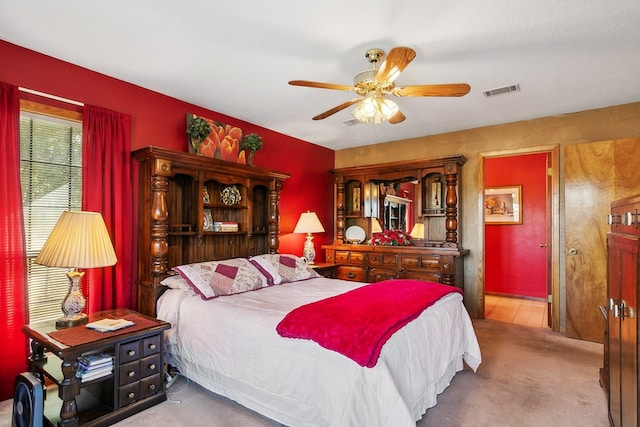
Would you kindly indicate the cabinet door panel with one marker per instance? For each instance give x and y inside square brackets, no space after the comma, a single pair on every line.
[427,276]
[629,332]
[614,331]
[380,274]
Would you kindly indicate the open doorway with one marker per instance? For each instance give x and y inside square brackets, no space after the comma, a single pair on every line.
[517,219]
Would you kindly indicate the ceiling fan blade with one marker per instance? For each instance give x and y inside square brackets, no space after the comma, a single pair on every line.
[397,118]
[396,61]
[336,109]
[452,89]
[320,85]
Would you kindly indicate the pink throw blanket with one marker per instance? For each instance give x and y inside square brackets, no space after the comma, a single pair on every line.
[359,322]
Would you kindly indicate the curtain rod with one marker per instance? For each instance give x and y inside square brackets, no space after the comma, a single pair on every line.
[46,95]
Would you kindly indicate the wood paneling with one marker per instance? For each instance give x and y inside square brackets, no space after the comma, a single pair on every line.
[596,174]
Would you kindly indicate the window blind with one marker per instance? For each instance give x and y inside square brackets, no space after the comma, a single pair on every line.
[51,178]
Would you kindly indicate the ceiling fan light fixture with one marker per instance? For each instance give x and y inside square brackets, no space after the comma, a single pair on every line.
[375,109]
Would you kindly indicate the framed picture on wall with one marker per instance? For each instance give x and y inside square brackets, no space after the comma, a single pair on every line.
[503,205]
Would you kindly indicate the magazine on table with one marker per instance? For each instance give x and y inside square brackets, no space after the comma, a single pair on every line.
[108,325]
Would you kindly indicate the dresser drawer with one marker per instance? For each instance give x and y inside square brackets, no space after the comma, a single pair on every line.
[410,261]
[349,257]
[431,262]
[355,274]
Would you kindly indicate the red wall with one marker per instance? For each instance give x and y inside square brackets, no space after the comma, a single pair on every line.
[514,262]
[160,120]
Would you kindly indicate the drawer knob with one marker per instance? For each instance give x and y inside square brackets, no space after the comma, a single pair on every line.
[152,346]
[152,387]
[351,275]
[152,366]
[131,353]
[131,395]
[132,374]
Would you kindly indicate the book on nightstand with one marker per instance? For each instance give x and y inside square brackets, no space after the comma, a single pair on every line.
[108,325]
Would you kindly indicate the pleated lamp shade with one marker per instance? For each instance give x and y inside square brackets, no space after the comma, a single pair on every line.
[79,240]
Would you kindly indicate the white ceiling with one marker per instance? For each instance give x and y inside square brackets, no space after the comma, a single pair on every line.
[236,57]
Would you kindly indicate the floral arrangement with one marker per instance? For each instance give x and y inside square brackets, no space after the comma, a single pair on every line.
[391,238]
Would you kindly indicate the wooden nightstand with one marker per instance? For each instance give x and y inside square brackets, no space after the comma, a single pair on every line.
[330,271]
[135,384]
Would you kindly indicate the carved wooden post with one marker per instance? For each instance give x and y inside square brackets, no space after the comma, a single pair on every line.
[159,228]
[68,389]
[451,212]
[274,215]
[340,220]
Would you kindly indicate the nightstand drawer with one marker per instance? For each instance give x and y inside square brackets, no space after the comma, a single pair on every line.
[150,345]
[150,385]
[129,394]
[129,351]
[150,365]
[128,373]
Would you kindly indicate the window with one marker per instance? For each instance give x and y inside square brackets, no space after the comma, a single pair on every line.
[51,177]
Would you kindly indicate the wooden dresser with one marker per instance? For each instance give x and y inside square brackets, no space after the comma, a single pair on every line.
[621,341]
[438,256]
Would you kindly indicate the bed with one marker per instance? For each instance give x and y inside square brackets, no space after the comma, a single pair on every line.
[225,337]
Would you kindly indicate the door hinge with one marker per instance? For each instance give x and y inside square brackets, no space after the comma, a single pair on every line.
[549,171]
[550,299]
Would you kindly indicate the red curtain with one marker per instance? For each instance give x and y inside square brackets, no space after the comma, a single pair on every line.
[13,277]
[107,188]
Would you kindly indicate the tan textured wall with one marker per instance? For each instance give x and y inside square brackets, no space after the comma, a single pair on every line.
[557,131]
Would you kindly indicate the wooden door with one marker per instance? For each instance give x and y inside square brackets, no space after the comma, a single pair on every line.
[595,175]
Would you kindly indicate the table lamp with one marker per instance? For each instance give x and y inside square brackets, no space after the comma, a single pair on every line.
[309,223]
[417,232]
[78,240]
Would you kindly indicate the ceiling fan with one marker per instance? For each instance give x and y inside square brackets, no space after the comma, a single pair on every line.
[372,85]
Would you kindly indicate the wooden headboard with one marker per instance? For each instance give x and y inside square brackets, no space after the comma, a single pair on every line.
[189,208]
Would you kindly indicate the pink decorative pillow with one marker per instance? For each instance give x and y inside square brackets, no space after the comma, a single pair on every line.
[212,279]
[269,270]
[290,268]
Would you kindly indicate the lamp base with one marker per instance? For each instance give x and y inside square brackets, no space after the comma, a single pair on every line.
[71,321]
[309,251]
[73,303]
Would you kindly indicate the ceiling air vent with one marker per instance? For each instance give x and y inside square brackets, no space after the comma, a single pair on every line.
[352,122]
[501,90]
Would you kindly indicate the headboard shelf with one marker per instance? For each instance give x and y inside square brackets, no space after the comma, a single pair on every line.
[183,196]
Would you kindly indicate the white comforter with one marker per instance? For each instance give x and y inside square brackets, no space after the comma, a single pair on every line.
[230,346]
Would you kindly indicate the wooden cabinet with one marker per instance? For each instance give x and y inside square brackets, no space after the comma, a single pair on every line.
[134,384]
[437,257]
[194,208]
[621,360]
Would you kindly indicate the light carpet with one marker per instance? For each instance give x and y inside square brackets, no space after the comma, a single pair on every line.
[529,377]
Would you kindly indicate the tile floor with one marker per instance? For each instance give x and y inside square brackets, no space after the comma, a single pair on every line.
[515,310]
